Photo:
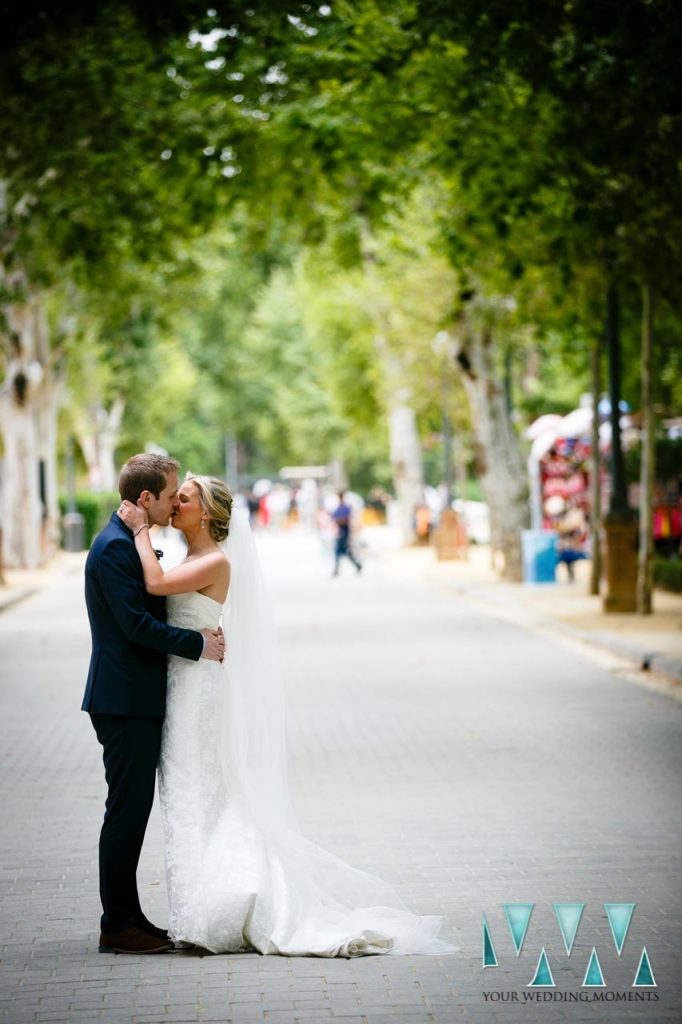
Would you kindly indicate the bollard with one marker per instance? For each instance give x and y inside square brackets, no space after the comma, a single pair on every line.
[74,532]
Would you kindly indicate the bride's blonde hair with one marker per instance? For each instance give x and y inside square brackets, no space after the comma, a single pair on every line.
[215,498]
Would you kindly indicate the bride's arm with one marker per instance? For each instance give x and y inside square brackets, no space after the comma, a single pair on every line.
[185,578]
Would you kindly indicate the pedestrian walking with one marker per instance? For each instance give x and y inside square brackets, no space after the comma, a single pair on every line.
[343,548]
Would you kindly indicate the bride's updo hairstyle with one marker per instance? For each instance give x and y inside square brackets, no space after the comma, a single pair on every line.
[215,498]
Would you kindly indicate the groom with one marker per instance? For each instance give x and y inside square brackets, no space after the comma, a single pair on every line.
[126,695]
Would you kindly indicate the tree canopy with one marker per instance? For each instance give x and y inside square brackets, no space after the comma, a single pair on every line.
[272,211]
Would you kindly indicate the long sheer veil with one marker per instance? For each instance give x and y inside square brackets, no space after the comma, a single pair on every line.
[254,740]
[322,892]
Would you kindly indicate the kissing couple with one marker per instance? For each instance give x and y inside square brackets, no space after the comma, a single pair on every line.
[165,692]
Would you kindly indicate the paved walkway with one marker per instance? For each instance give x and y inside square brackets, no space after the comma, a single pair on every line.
[567,608]
[467,760]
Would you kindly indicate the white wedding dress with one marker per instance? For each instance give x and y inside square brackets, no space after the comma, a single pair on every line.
[241,876]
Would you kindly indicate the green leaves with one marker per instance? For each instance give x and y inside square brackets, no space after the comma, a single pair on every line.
[199,185]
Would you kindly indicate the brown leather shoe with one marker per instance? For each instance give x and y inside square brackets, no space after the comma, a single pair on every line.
[133,940]
[159,933]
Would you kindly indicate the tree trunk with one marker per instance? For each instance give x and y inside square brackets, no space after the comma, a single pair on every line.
[403,437]
[97,431]
[405,448]
[30,399]
[47,414]
[646,489]
[22,513]
[595,470]
[503,473]
[108,442]
[406,460]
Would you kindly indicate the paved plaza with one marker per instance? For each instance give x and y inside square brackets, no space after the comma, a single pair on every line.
[469,761]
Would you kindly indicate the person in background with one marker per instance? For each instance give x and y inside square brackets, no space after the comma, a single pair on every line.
[263,511]
[253,506]
[342,519]
[569,552]
[422,523]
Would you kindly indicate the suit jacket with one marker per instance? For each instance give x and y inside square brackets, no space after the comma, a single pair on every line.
[130,636]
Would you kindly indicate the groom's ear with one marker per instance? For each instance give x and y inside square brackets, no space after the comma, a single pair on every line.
[144,499]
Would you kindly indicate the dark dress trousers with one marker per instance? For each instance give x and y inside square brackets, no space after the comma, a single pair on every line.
[126,697]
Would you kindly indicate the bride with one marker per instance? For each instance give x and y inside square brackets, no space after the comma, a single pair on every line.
[241,876]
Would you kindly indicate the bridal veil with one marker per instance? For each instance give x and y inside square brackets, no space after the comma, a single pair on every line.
[312,899]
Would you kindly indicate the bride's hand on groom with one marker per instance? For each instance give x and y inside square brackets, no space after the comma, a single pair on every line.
[132,515]
[214,644]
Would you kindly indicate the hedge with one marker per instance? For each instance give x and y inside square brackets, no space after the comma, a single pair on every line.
[668,574]
[96,510]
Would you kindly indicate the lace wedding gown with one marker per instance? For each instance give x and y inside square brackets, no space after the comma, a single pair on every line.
[236,883]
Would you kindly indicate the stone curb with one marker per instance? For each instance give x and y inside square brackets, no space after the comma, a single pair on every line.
[38,581]
[646,661]
[15,596]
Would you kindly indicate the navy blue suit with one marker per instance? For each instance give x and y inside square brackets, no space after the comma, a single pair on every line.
[126,698]
[130,637]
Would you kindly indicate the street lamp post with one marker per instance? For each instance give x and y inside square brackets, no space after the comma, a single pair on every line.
[231,461]
[442,349]
[73,520]
[620,525]
[619,497]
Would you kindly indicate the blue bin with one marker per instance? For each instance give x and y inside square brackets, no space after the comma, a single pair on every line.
[539,550]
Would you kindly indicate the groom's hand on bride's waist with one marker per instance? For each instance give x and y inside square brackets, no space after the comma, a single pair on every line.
[214,644]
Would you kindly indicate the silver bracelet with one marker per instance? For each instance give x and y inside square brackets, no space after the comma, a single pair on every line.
[145,526]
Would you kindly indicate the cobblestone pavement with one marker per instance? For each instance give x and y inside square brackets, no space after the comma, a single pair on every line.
[463,758]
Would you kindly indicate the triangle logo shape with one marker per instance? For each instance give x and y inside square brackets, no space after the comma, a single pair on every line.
[543,973]
[644,976]
[619,915]
[568,915]
[518,916]
[489,957]
[594,977]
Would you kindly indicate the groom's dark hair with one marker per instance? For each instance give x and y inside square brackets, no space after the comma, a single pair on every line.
[146,472]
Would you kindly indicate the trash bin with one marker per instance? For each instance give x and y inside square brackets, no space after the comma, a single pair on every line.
[539,550]
[74,531]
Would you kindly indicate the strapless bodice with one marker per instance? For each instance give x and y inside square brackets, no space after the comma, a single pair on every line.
[193,611]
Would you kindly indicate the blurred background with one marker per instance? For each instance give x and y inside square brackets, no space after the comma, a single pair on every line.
[424,253]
